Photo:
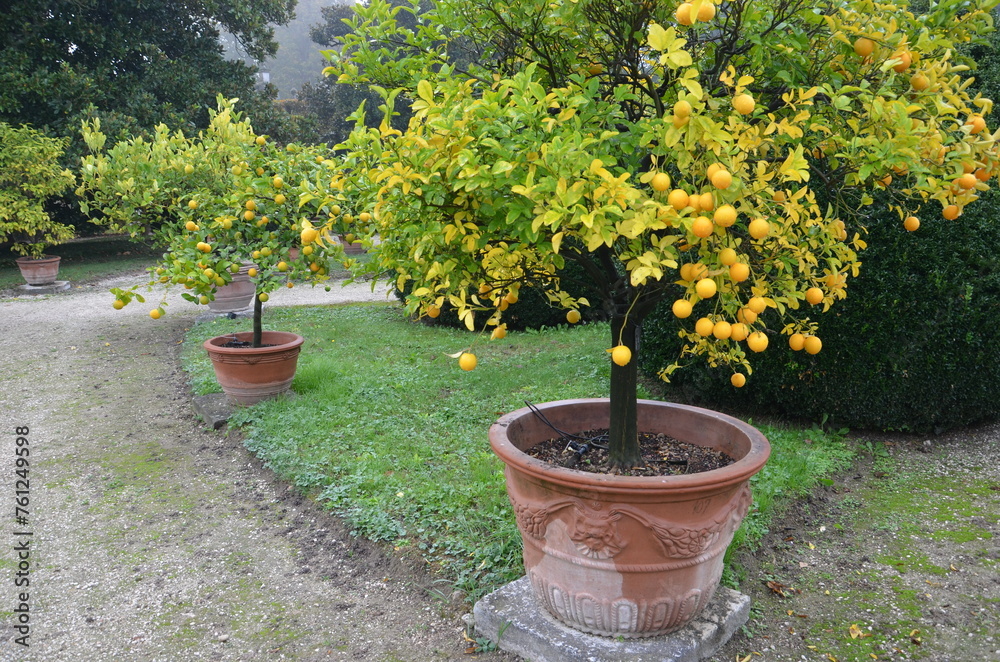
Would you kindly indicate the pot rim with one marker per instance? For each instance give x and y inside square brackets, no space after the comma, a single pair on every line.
[733,474]
[281,341]
[44,258]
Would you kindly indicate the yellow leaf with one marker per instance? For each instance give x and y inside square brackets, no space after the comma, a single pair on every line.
[658,38]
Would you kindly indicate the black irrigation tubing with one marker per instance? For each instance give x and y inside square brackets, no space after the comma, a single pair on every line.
[579,445]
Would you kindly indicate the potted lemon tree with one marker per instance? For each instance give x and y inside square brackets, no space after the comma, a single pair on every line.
[29,175]
[718,157]
[224,203]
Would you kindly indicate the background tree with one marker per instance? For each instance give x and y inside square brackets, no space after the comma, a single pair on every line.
[710,155]
[133,64]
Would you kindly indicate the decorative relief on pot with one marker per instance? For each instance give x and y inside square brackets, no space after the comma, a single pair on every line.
[241,359]
[595,534]
[618,616]
[533,520]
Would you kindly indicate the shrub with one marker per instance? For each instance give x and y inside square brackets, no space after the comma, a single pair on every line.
[30,174]
[913,347]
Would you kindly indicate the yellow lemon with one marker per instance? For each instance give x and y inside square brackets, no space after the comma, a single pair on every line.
[621,355]
[682,308]
[467,361]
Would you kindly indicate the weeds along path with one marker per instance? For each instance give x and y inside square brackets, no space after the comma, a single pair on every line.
[154,538]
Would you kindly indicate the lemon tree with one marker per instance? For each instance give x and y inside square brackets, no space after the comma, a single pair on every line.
[30,174]
[720,155]
[218,201]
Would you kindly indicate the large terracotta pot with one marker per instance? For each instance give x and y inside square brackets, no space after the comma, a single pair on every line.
[237,295]
[249,375]
[620,555]
[39,271]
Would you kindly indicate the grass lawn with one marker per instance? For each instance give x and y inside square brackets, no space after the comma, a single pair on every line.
[389,433]
[86,260]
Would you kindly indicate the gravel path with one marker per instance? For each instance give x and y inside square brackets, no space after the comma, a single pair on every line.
[155,538]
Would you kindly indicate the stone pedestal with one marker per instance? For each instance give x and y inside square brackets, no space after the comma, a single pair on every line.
[511,617]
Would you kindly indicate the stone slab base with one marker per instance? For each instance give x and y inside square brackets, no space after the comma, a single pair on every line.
[51,288]
[529,631]
[214,408]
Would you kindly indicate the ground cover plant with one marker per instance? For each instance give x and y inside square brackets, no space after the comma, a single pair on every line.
[392,438]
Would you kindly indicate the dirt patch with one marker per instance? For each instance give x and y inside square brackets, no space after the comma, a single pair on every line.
[156,538]
[897,559]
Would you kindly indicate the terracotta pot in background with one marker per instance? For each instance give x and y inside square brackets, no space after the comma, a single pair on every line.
[237,295]
[248,375]
[621,555]
[39,271]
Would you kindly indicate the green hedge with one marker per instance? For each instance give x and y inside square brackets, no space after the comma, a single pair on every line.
[913,347]
[533,310]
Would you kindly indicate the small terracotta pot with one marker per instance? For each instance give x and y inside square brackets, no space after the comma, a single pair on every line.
[39,271]
[622,555]
[248,375]
[237,295]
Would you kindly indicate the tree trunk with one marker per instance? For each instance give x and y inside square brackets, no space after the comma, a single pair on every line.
[258,309]
[623,442]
